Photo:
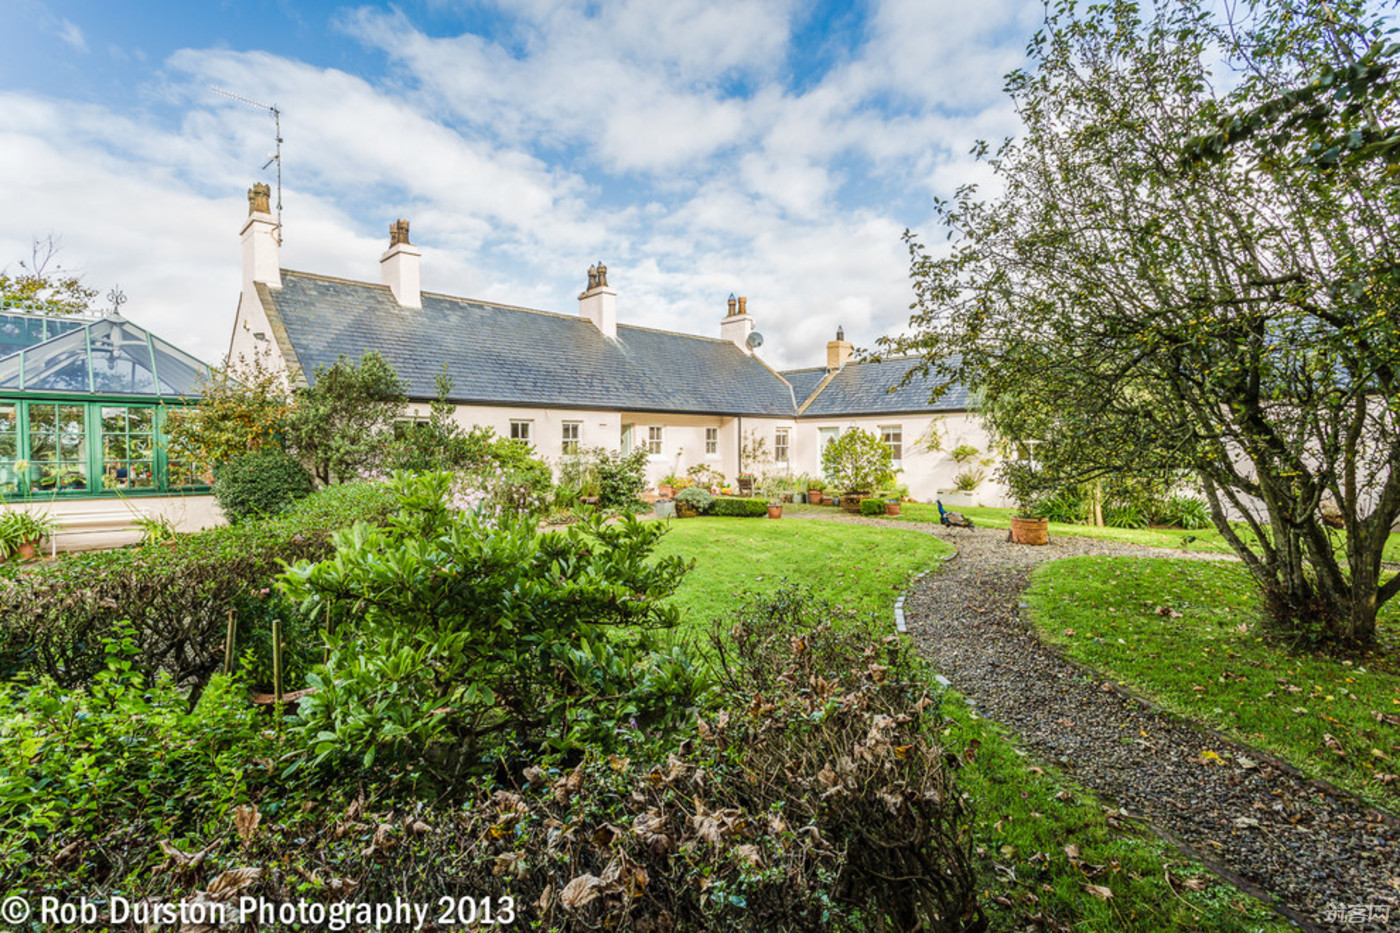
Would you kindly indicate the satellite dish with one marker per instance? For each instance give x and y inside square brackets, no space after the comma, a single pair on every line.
[755,340]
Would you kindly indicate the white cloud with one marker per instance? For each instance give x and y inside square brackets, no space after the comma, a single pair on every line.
[69,32]
[587,132]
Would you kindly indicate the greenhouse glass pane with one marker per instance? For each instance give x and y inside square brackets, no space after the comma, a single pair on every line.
[140,420]
[142,475]
[42,433]
[121,359]
[180,374]
[113,420]
[9,371]
[60,365]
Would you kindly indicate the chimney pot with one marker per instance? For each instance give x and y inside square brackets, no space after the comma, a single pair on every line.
[838,351]
[732,302]
[259,199]
[598,303]
[743,305]
[738,326]
[401,267]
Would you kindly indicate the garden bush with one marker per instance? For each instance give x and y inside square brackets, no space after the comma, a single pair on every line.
[739,508]
[462,637]
[177,596]
[858,461]
[697,497]
[259,484]
[815,776]
[872,506]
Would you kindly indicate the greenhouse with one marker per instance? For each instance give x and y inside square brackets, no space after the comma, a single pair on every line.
[83,404]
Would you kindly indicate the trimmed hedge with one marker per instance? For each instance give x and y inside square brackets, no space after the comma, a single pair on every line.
[872,506]
[176,596]
[739,508]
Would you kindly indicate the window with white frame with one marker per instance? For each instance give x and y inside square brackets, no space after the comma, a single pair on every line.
[711,442]
[569,437]
[780,445]
[893,436]
[520,431]
[655,440]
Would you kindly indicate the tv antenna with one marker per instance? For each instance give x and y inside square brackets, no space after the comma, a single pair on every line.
[276,156]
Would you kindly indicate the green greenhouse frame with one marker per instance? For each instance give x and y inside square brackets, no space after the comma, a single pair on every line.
[83,408]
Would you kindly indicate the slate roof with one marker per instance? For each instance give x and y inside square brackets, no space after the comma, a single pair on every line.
[497,354]
[804,381]
[865,389]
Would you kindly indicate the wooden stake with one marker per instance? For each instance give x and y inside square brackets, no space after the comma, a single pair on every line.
[228,645]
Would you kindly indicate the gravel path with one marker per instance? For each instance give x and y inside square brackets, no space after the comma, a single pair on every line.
[1266,828]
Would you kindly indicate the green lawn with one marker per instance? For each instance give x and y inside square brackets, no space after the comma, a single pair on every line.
[1205,539]
[856,567]
[1025,815]
[1187,634]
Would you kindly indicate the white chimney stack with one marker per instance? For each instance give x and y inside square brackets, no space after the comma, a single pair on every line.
[400,267]
[598,303]
[737,327]
[261,262]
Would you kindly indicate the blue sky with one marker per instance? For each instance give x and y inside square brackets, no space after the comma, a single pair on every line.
[699,147]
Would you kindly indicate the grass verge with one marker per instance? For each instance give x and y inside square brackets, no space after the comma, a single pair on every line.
[855,567]
[1050,856]
[1187,634]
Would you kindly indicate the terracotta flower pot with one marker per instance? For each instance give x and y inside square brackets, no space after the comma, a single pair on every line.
[1030,530]
[28,550]
[891,508]
[665,491]
[775,511]
[814,496]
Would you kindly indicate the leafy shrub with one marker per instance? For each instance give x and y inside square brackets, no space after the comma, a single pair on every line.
[176,597]
[963,453]
[796,807]
[1123,516]
[76,763]
[739,508]
[697,497]
[858,461]
[702,474]
[872,506]
[1065,506]
[344,419]
[969,479]
[621,477]
[465,634]
[1185,512]
[259,484]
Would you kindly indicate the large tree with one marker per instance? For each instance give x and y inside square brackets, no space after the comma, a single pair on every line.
[1187,267]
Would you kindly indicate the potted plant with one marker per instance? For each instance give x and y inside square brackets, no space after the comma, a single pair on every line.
[746,481]
[775,510]
[691,501]
[667,487]
[857,463]
[21,533]
[1026,526]
[892,506]
[815,488]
